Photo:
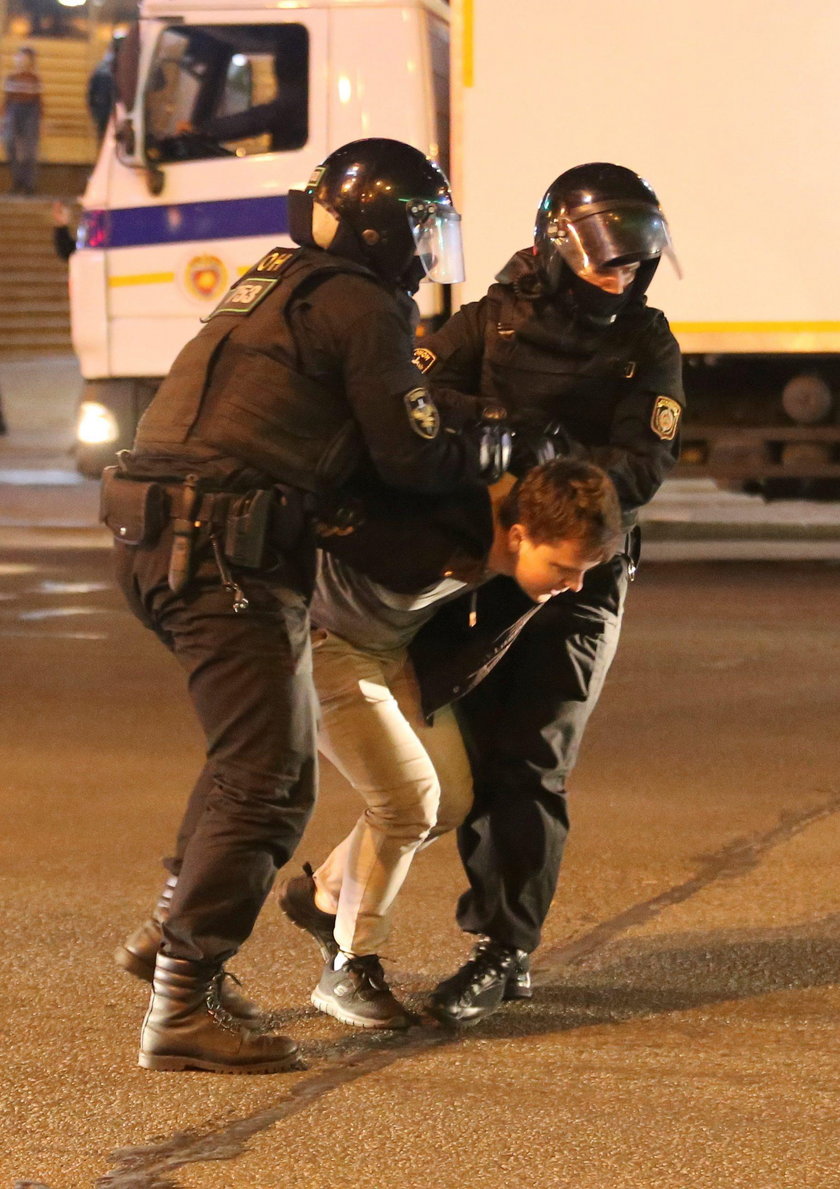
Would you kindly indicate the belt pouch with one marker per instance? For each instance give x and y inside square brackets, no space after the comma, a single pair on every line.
[135,511]
[247,528]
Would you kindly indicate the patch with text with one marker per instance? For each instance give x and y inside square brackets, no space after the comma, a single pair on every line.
[422,413]
[665,419]
[423,359]
[245,296]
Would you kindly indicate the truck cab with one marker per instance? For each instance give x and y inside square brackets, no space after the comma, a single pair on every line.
[222,108]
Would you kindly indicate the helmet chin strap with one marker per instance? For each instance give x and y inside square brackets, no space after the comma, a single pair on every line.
[412,276]
[595,304]
[598,307]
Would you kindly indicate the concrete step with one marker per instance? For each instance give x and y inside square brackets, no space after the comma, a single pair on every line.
[41,313]
[20,266]
[34,308]
[25,235]
[37,282]
[35,342]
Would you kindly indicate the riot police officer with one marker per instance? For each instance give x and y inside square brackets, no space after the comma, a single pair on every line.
[566,342]
[300,382]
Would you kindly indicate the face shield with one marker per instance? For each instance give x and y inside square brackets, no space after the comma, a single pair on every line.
[436,230]
[618,235]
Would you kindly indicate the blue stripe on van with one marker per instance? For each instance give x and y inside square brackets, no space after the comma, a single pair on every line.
[144,226]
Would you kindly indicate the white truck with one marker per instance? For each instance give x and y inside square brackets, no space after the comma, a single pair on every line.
[730,108]
[223,106]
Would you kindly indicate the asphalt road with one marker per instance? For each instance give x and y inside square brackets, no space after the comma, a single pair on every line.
[685,1030]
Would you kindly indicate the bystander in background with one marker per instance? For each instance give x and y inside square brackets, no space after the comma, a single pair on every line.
[22,120]
[101,92]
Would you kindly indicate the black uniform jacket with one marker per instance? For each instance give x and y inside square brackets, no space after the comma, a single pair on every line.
[616,391]
[303,375]
[408,546]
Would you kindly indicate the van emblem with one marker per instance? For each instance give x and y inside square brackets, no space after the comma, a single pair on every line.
[206,277]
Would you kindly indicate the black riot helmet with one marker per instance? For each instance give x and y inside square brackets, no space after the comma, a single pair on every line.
[599,236]
[384,204]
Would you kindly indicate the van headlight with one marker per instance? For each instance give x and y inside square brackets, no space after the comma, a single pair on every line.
[96,425]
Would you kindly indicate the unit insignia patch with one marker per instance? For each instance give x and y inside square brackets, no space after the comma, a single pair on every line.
[422,413]
[245,295]
[272,261]
[423,358]
[665,418]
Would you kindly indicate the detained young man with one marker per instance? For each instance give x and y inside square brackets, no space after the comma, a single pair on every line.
[545,531]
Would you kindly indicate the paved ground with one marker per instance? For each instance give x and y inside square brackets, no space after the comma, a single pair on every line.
[685,1032]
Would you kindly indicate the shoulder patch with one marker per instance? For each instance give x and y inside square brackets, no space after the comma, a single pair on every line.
[422,413]
[272,261]
[423,359]
[244,296]
[665,418]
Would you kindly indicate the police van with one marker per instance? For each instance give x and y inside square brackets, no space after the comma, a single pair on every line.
[222,108]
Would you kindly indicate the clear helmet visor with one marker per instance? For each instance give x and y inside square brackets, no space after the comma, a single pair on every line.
[607,239]
[436,230]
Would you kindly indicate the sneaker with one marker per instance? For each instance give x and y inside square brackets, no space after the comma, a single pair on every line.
[492,974]
[297,902]
[518,985]
[358,994]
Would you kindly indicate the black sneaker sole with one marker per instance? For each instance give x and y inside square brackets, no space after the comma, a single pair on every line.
[463,1020]
[328,949]
[301,918]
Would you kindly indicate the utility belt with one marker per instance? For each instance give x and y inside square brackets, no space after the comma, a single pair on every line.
[245,529]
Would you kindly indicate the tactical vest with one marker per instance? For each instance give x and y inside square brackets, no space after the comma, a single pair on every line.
[236,395]
[543,366]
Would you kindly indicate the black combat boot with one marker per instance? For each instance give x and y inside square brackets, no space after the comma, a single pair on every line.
[186,1026]
[492,974]
[297,902]
[137,954]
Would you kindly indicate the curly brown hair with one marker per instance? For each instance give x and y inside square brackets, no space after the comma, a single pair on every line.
[566,499]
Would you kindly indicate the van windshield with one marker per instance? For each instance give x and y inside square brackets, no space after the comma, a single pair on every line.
[222,90]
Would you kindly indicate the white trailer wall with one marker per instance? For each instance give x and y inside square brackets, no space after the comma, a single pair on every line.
[730,108]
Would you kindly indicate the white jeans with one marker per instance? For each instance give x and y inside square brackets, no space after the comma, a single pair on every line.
[414,779]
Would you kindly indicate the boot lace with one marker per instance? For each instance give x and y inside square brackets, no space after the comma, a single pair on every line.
[221,1015]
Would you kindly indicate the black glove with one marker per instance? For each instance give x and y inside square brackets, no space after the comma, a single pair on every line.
[457,410]
[532,447]
[494,440]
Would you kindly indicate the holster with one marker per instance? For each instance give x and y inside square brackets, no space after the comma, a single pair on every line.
[134,510]
[261,521]
[247,529]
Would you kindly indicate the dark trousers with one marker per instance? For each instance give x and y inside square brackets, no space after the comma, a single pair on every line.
[23,122]
[249,676]
[523,726]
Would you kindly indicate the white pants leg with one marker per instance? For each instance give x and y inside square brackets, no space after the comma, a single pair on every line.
[414,779]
